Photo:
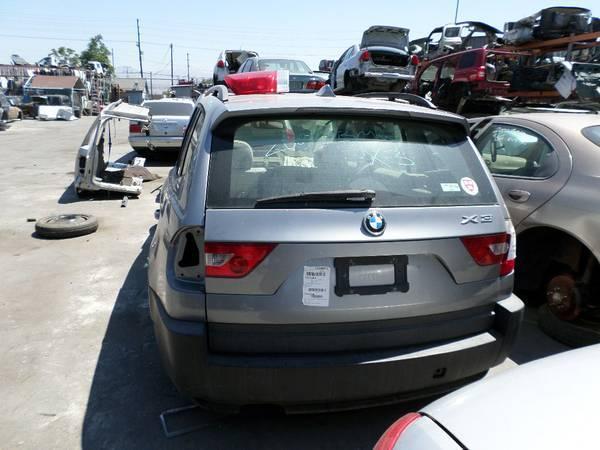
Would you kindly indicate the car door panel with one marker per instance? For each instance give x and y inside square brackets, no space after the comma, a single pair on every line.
[523,184]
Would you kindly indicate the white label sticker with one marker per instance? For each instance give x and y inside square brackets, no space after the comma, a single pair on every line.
[315,286]
[469,186]
[450,187]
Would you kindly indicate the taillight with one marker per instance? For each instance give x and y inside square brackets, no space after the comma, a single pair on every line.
[315,85]
[232,260]
[135,127]
[364,56]
[493,249]
[479,75]
[414,60]
[261,82]
[220,64]
[388,440]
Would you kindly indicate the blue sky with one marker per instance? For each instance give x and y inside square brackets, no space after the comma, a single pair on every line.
[307,29]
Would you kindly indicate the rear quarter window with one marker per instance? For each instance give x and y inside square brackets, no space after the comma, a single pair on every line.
[406,162]
[467,60]
[592,134]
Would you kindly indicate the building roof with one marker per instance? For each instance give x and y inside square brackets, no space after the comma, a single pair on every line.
[130,84]
[56,82]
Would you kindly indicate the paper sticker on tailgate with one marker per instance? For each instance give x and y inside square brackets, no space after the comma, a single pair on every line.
[315,286]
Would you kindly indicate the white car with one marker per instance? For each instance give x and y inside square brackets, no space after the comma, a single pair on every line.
[551,403]
[169,118]
[57,108]
[381,62]
[229,62]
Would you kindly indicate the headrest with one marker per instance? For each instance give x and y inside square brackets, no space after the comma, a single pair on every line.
[242,156]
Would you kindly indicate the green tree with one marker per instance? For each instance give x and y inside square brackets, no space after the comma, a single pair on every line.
[97,51]
[66,56]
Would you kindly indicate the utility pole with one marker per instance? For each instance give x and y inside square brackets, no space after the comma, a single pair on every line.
[456,12]
[139,46]
[151,90]
[171,46]
[112,55]
[188,66]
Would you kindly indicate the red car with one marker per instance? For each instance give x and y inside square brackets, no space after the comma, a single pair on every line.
[468,81]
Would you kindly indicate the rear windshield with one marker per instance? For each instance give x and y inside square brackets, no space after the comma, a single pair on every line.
[169,108]
[406,163]
[294,66]
[593,134]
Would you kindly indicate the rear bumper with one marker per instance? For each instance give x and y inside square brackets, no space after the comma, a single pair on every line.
[153,142]
[387,76]
[327,381]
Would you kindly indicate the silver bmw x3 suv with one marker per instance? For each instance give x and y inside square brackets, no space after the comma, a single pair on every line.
[319,252]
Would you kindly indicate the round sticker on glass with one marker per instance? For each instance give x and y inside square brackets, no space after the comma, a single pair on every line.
[469,186]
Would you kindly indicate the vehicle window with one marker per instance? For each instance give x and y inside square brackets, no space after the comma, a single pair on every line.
[407,163]
[593,134]
[467,60]
[190,141]
[430,73]
[452,32]
[448,70]
[169,108]
[294,66]
[516,151]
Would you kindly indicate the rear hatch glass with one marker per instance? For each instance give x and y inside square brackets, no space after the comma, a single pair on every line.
[169,108]
[400,162]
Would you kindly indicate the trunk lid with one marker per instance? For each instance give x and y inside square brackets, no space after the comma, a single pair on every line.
[385,36]
[168,125]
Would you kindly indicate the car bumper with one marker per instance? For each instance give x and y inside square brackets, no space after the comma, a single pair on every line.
[156,142]
[327,381]
[387,76]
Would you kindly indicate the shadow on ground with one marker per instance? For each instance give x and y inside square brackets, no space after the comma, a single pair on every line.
[129,391]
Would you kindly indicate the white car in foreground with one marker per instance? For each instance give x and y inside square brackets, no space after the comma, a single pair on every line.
[551,403]
[169,118]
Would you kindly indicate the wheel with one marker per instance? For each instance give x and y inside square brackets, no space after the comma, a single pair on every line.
[349,86]
[574,334]
[66,226]
[20,116]
[563,296]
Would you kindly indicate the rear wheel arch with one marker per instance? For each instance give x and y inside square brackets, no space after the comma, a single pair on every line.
[546,251]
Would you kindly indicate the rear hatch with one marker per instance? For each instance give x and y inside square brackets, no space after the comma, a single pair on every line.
[383,36]
[169,118]
[235,58]
[351,240]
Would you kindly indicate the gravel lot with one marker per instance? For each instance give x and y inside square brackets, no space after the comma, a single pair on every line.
[79,366]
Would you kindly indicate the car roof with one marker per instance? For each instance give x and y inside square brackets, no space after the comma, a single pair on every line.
[170,100]
[528,406]
[239,105]
[563,123]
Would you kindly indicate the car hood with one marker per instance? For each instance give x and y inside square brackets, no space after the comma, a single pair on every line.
[548,403]
[379,35]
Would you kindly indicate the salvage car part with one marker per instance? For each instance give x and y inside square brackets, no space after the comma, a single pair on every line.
[66,226]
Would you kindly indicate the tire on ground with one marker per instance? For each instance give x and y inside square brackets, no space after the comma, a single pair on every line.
[66,226]
[573,334]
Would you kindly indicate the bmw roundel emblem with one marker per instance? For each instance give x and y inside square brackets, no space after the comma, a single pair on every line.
[374,223]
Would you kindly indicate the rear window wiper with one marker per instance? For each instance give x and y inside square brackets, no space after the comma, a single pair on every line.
[347,196]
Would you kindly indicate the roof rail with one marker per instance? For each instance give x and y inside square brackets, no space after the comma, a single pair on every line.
[218,91]
[413,99]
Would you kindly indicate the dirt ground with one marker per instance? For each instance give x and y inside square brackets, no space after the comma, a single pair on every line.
[79,366]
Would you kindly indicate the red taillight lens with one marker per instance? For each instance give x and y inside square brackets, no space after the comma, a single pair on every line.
[220,64]
[493,249]
[135,128]
[388,440]
[227,260]
[414,60]
[315,85]
[265,82]
[480,75]
[364,56]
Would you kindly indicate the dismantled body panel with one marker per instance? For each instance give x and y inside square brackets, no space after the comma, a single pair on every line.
[92,171]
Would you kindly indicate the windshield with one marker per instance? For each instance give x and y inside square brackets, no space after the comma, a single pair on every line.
[293,65]
[406,163]
[169,108]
